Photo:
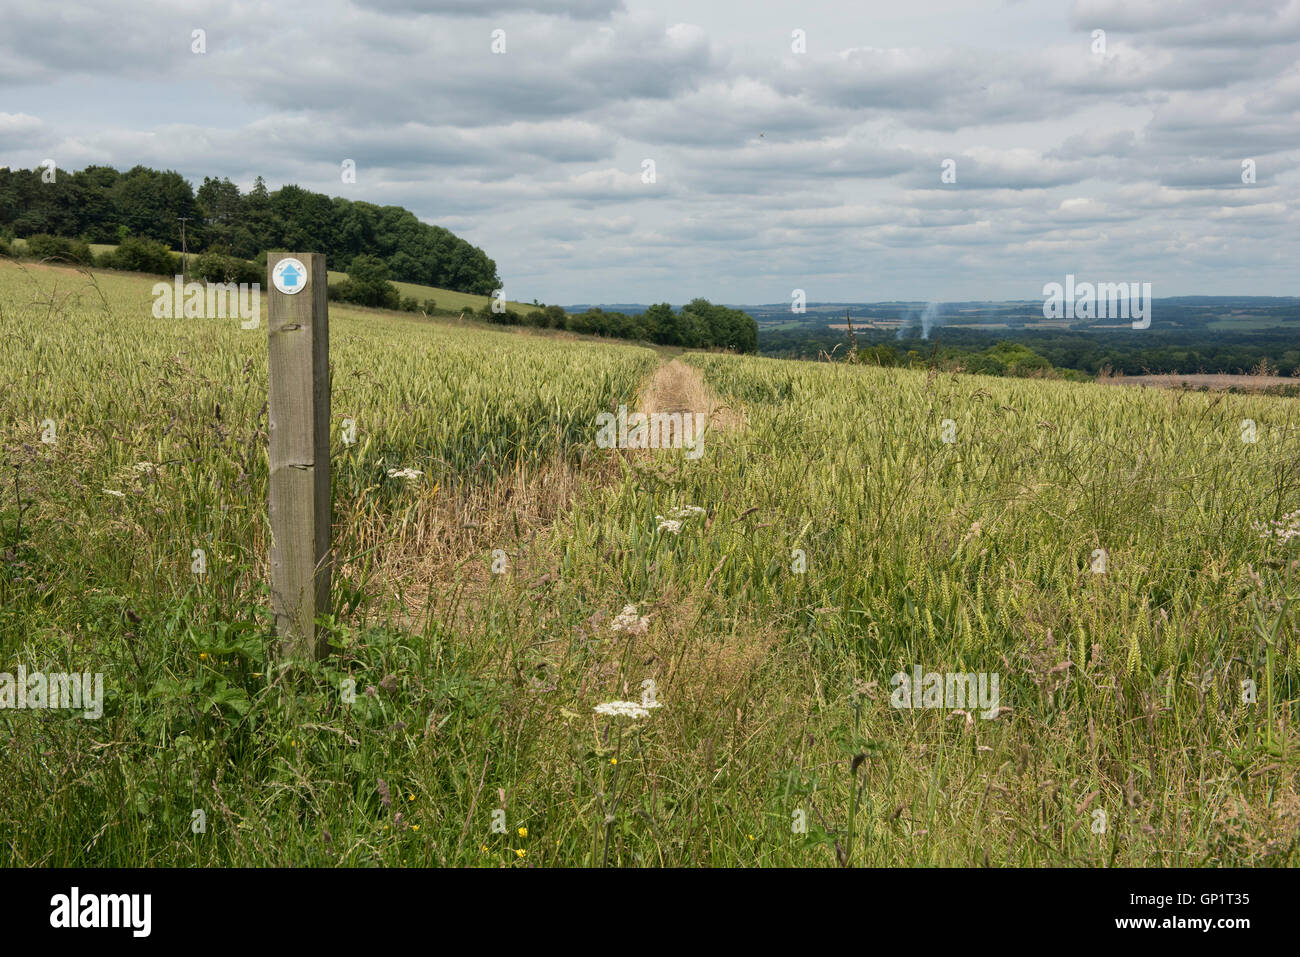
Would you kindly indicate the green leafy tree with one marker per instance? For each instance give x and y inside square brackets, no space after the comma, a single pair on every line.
[367,284]
[43,246]
[150,203]
[140,254]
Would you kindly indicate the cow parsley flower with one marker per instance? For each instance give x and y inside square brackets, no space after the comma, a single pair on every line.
[627,621]
[408,474]
[623,709]
[673,521]
[686,511]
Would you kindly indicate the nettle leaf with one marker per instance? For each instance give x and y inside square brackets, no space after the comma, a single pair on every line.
[168,688]
[815,837]
[236,699]
[232,638]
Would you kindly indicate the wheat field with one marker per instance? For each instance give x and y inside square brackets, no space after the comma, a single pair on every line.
[546,653]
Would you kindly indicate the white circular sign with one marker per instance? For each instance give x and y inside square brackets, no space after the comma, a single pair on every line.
[289,276]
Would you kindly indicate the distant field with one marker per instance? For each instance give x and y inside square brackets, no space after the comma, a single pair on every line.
[1216,382]
[20,246]
[1238,322]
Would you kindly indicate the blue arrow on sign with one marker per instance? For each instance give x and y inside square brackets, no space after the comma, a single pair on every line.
[290,276]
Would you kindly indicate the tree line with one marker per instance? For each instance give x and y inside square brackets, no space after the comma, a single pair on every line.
[101,205]
[699,324]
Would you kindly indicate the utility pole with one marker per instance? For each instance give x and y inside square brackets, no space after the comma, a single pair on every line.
[184,251]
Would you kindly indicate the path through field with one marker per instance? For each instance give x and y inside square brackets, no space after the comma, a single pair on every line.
[677,387]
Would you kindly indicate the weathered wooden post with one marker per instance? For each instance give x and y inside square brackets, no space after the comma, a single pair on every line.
[299,413]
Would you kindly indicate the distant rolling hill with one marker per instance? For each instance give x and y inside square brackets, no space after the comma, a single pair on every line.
[445,298]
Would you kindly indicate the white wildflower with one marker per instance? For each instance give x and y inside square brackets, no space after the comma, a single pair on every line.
[145,466]
[623,709]
[686,511]
[628,621]
[407,474]
[115,494]
[673,521]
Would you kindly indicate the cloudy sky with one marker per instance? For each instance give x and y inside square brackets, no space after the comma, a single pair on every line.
[774,169]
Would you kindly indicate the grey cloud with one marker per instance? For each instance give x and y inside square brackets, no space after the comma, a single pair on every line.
[1193,22]
[577,9]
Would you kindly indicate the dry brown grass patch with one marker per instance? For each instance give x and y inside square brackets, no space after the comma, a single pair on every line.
[439,559]
[693,667]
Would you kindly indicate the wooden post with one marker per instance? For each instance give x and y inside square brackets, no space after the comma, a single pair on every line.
[299,413]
